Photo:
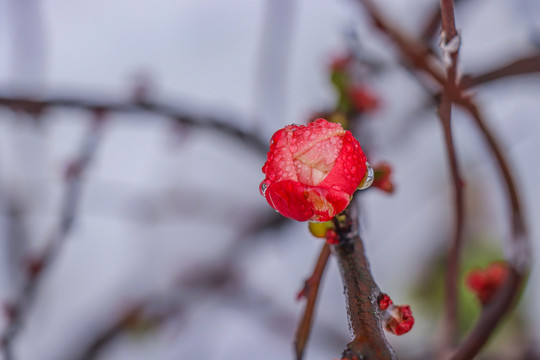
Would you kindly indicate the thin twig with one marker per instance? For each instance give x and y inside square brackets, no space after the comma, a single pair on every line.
[433,24]
[451,314]
[414,52]
[524,66]
[454,255]
[213,276]
[311,289]
[361,292]
[37,266]
[210,122]
[519,258]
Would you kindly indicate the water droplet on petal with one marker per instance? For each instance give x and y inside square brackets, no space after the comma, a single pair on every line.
[263,187]
[368,178]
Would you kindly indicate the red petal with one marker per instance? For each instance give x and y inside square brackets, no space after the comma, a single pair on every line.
[350,167]
[279,164]
[300,202]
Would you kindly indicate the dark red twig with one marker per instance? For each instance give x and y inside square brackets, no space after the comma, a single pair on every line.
[451,314]
[311,291]
[429,31]
[524,66]
[454,255]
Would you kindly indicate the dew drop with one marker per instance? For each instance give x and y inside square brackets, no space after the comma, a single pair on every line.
[368,178]
[263,187]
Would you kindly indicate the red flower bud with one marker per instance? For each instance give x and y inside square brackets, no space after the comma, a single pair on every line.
[383,180]
[485,283]
[385,302]
[363,99]
[401,321]
[332,237]
[398,319]
[312,170]
[341,62]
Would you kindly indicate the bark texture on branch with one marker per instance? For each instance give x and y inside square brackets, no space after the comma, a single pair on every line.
[361,292]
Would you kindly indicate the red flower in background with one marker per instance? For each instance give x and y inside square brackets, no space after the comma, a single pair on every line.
[342,62]
[485,283]
[362,98]
[312,170]
[383,178]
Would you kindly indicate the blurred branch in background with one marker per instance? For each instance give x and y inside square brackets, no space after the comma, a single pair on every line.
[221,278]
[518,260]
[310,292]
[450,45]
[212,123]
[526,65]
[36,265]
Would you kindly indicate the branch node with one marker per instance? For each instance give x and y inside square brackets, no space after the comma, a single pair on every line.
[449,47]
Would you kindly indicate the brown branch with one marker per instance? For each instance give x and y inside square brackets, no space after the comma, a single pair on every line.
[519,258]
[414,52]
[526,65]
[448,22]
[453,262]
[215,123]
[311,290]
[36,267]
[431,26]
[433,23]
[361,292]
[451,314]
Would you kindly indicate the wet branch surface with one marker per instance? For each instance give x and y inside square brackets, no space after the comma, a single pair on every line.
[361,292]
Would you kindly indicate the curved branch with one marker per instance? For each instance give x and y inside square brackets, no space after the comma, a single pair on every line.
[451,314]
[311,290]
[37,266]
[519,260]
[210,122]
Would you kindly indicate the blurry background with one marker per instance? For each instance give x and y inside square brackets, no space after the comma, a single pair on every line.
[174,254]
